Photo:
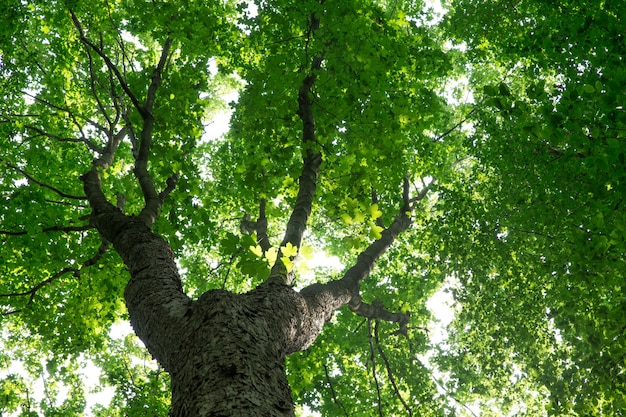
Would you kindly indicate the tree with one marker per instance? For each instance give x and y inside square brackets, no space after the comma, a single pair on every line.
[347,137]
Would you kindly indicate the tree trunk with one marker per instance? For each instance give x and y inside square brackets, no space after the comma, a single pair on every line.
[225,352]
[232,361]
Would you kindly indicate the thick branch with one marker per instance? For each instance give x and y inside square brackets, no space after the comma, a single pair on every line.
[154,291]
[170,185]
[324,299]
[307,184]
[247,226]
[152,201]
[367,259]
[311,167]
[377,310]
[108,154]
[261,228]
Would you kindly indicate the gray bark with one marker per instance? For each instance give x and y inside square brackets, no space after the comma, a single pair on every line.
[224,352]
[231,362]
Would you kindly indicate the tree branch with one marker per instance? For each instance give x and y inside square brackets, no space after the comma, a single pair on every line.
[41,184]
[462,404]
[104,246]
[367,259]
[456,125]
[373,360]
[170,185]
[389,373]
[261,228]
[66,110]
[108,154]
[332,391]
[247,226]
[108,62]
[310,171]
[97,200]
[324,299]
[153,203]
[152,199]
[65,229]
[377,310]
[94,92]
[58,138]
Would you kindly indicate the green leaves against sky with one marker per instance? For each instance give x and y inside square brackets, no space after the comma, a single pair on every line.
[525,216]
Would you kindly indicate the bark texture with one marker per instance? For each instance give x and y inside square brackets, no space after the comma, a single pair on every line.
[225,352]
[231,362]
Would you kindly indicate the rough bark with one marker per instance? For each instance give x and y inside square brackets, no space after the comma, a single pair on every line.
[232,361]
[224,352]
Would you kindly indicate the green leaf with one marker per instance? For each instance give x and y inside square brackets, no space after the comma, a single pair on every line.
[289,250]
[374,212]
[256,250]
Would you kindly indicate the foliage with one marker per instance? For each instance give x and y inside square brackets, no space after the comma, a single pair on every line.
[509,114]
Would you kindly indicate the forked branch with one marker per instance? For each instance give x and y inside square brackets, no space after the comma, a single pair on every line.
[109,63]
[392,379]
[324,299]
[367,259]
[152,199]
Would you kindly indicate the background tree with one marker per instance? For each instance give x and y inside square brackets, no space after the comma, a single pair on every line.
[484,153]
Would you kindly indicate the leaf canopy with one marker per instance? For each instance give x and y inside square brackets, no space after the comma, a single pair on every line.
[511,114]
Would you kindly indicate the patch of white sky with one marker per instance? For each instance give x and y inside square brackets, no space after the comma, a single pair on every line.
[37,387]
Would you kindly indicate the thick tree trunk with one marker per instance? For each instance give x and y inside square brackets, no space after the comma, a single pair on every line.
[224,352]
[232,362]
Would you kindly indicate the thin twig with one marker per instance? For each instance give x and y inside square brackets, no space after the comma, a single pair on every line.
[453,397]
[104,246]
[109,64]
[389,373]
[58,138]
[65,229]
[332,391]
[94,93]
[373,359]
[450,130]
